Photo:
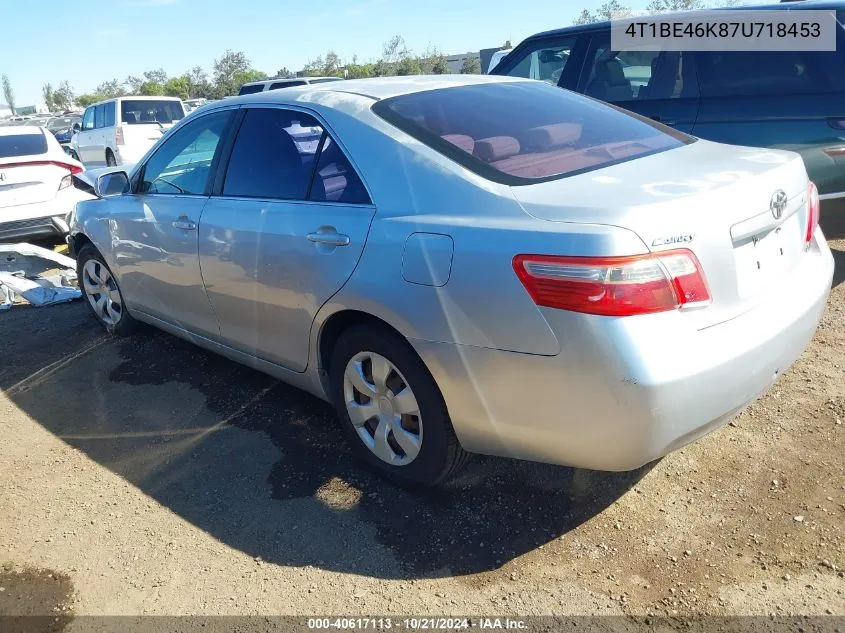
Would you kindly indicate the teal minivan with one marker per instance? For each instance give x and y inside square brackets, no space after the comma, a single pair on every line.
[791,100]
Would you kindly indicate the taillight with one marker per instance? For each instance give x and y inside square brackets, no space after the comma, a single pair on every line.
[119,135]
[614,286]
[66,182]
[813,212]
[73,169]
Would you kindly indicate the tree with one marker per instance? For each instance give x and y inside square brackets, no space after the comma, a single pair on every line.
[8,93]
[63,96]
[394,50]
[659,6]
[471,66]
[110,89]
[284,73]
[47,92]
[433,62]
[313,67]
[331,65]
[612,9]
[360,71]
[83,101]
[230,71]
[178,87]
[157,76]
[200,87]
[133,84]
[408,65]
[151,89]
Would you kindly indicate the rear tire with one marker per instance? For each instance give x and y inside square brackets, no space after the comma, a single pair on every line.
[403,430]
[110,159]
[101,292]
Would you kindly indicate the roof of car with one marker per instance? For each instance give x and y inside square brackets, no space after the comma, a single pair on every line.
[375,88]
[19,129]
[284,79]
[803,5]
[137,98]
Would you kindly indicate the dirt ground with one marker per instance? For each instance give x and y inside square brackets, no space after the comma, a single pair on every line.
[145,476]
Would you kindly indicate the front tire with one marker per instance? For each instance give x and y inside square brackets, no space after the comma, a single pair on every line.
[391,409]
[102,293]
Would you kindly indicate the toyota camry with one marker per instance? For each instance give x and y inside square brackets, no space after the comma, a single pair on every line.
[468,264]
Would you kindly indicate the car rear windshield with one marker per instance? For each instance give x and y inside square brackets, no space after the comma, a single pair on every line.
[22,145]
[150,111]
[251,90]
[525,132]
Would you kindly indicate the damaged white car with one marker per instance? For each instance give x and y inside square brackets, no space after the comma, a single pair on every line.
[36,184]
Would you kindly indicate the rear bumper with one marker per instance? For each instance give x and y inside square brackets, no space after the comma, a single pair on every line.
[624,392]
[41,219]
[17,230]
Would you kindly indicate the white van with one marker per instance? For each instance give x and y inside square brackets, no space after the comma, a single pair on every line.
[120,131]
[275,84]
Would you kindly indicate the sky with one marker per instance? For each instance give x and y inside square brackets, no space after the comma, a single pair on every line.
[90,41]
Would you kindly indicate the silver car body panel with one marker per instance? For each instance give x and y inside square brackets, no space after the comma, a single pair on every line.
[518,380]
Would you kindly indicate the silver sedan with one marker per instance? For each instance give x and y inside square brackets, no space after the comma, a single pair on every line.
[468,264]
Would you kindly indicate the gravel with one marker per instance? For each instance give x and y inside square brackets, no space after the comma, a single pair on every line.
[145,476]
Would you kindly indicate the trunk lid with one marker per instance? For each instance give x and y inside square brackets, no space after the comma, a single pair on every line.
[712,199]
[22,183]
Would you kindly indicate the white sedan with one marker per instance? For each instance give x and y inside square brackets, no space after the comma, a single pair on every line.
[36,184]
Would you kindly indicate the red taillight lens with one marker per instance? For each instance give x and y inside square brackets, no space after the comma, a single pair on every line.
[74,169]
[813,212]
[614,286]
[119,136]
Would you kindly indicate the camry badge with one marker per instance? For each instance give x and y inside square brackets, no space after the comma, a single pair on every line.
[675,239]
[778,203]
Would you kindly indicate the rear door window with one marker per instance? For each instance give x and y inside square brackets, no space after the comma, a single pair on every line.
[100,116]
[109,114]
[88,119]
[273,155]
[545,61]
[335,180]
[741,73]
[524,132]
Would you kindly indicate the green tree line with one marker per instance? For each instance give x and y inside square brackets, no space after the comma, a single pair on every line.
[233,69]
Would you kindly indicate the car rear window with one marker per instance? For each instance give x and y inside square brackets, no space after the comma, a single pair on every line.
[251,90]
[525,132]
[325,79]
[141,111]
[22,145]
[286,84]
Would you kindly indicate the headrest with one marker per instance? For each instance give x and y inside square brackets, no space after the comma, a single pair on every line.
[547,137]
[496,148]
[462,141]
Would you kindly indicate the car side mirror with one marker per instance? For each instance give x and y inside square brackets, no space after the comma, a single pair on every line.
[76,128]
[115,183]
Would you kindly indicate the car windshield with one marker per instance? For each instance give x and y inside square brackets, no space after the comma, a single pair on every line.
[12,145]
[524,132]
[59,123]
[141,111]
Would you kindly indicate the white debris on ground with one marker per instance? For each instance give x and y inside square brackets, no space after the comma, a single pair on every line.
[37,275]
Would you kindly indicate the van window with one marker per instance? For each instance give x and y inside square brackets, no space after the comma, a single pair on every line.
[251,90]
[741,73]
[285,84]
[109,108]
[545,61]
[521,132]
[88,119]
[146,111]
[100,116]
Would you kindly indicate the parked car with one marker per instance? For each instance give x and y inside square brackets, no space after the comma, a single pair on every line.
[63,128]
[36,192]
[120,131]
[496,58]
[791,100]
[469,263]
[276,84]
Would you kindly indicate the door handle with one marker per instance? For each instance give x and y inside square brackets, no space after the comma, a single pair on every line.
[328,239]
[185,225]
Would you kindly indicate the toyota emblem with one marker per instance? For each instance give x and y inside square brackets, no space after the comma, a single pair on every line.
[778,203]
